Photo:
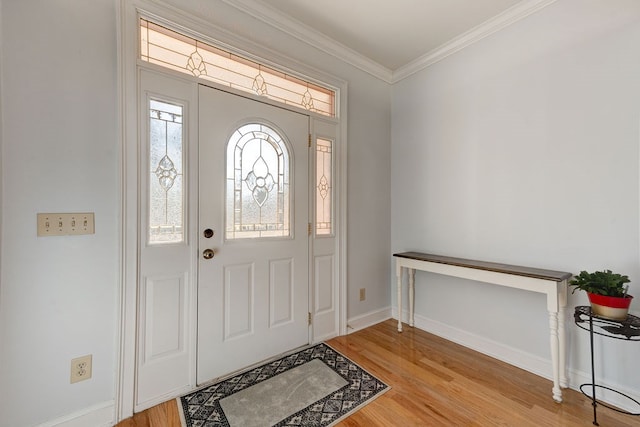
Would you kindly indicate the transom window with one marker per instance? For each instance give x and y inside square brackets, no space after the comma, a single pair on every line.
[170,49]
[258,185]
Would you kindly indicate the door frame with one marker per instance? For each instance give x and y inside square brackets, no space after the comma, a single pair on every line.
[128,66]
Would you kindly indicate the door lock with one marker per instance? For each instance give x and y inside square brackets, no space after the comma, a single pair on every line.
[208,253]
[208,233]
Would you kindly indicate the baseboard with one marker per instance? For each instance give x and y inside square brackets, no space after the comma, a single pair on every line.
[325,337]
[529,362]
[368,319]
[100,415]
[170,395]
[578,377]
[513,356]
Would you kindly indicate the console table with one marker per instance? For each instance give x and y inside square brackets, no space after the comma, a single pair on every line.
[551,283]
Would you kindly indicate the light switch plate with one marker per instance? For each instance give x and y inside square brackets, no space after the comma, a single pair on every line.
[63,224]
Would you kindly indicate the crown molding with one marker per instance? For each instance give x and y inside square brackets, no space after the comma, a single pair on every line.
[495,24]
[273,17]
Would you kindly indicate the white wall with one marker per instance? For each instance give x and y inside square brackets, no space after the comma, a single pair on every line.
[369,195]
[523,149]
[58,295]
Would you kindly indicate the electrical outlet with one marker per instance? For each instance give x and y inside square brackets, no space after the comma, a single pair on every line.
[80,369]
[363,294]
[62,224]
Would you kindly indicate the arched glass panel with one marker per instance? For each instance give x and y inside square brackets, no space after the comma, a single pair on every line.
[258,186]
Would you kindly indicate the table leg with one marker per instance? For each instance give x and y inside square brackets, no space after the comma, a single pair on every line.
[553,333]
[562,337]
[399,286]
[594,403]
[412,287]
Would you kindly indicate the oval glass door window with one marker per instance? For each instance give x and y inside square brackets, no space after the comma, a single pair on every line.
[258,184]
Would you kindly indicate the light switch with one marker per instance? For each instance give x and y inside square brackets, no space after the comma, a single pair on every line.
[62,224]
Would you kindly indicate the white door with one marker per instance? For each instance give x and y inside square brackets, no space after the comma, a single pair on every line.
[253,292]
[168,252]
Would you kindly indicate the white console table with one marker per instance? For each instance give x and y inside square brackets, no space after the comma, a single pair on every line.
[551,283]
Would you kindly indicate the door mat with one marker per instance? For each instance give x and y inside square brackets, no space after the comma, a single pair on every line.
[315,387]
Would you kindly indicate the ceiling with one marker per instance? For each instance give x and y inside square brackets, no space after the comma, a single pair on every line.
[392,32]
[386,36]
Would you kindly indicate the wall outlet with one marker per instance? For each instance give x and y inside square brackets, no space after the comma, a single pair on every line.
[62,224]
[363,294]
[80,369]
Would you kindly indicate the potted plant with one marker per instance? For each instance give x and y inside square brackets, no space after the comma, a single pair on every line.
[606,291]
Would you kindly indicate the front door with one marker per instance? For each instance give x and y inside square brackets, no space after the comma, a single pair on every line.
[253,291]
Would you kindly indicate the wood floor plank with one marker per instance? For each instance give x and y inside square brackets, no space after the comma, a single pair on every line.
[435,382]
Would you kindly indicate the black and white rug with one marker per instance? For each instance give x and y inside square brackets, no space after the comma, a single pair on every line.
[315,387]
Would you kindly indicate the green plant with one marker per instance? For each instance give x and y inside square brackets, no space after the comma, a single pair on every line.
[601,282]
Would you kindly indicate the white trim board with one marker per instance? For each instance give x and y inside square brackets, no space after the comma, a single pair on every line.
[493,25]
[534,364]
[100,415]
[579,377]
[274,18]
[365,320]
[523,360]
[262,11]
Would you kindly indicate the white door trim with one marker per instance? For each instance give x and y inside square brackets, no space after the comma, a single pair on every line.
[127,80]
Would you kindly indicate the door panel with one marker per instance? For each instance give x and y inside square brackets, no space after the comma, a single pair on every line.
[326,261]
[165,319]
[253,295]
[238,302]
[281,286]
[167,257]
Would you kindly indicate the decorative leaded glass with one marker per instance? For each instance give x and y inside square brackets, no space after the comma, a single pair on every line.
[166,186]
[259,85]
[324,190]
[170,49]
[258,186]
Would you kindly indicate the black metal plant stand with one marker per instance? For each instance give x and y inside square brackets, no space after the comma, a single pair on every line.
[626,330]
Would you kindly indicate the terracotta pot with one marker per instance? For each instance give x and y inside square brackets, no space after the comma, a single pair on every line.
[615,308]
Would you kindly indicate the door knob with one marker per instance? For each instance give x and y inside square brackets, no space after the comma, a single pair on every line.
[208,253]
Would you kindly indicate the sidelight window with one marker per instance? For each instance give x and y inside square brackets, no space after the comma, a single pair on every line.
[166,184]
[324,187]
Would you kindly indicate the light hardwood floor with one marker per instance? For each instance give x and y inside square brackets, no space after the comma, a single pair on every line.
[435,382]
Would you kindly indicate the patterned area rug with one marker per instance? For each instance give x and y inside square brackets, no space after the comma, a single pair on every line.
[315,387]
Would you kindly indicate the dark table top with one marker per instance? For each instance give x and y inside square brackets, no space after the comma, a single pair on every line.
[536,273]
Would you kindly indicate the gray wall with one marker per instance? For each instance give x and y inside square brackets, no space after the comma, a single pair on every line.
[523,149]
[60,154]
